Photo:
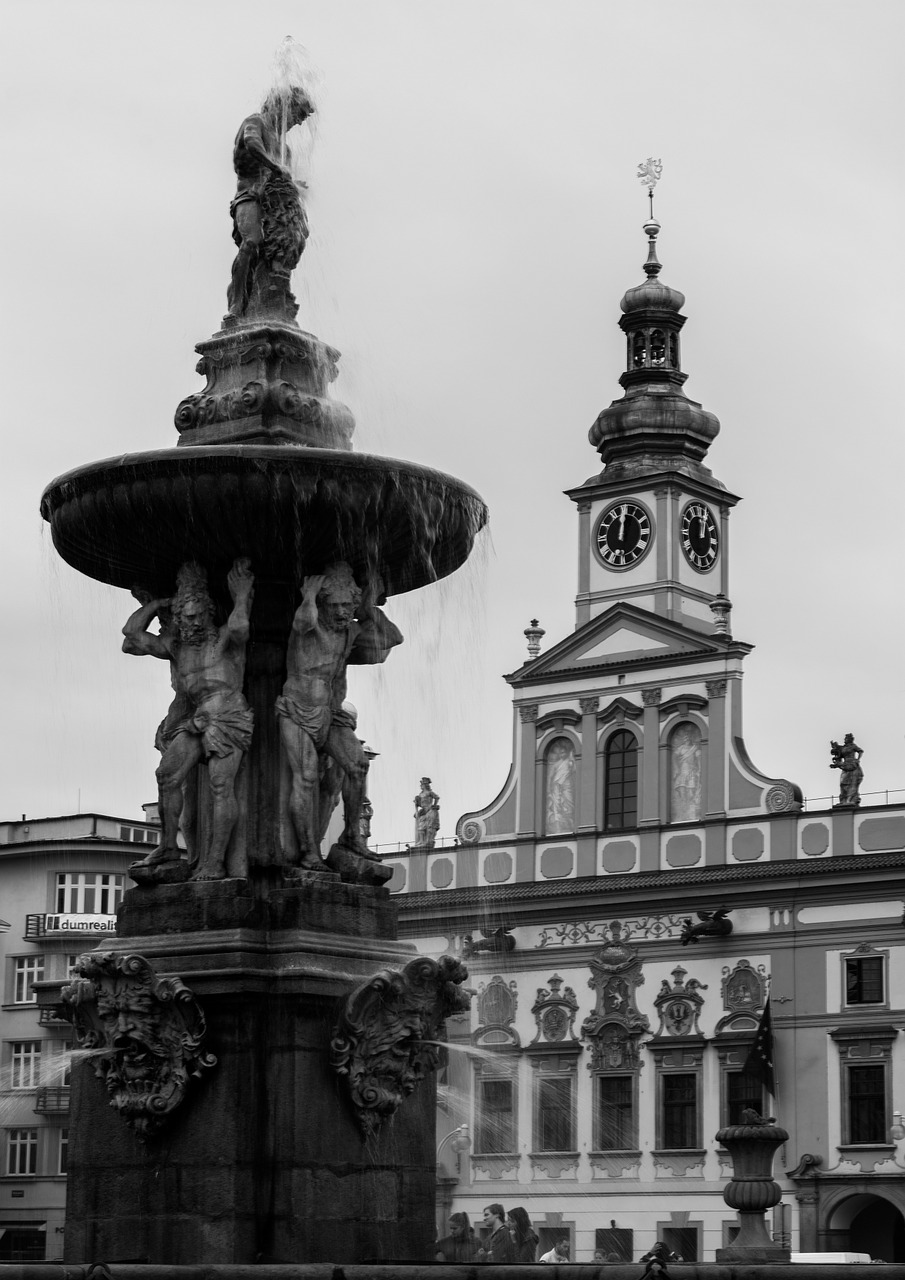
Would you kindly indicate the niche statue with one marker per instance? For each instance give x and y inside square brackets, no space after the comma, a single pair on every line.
[337,623]
[208,720]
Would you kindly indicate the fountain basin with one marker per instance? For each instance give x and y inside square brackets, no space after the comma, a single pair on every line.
[136,518]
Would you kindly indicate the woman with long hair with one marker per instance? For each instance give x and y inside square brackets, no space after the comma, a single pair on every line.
[523,1234]
[461,1244]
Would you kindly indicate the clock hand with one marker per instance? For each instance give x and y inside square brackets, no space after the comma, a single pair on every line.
[622,526]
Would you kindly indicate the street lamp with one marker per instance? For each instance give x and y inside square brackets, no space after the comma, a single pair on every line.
[459,1140]
[897,1129]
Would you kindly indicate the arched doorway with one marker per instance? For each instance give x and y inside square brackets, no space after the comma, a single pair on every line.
[869,1224]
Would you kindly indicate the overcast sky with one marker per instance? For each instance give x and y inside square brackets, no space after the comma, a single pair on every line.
[475,218]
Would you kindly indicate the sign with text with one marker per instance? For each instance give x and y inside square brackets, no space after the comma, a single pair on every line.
[62,923]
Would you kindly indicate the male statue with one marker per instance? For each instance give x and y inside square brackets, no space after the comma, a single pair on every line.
[212,720]
[847,758]
[335,624]
[269,223]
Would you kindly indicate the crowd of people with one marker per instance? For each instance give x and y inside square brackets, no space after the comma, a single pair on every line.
[509,1238]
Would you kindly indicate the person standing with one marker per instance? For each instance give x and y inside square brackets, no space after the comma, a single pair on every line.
[497,1247]
[559,1252]
[461,1244]
[523,1235]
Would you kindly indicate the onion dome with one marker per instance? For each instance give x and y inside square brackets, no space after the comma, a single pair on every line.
[654,427]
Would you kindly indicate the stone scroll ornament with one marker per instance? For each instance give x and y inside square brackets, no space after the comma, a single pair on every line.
[388,1035]
[145,1034]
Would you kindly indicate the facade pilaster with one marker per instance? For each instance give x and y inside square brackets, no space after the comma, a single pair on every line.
[650,756]
[716,748]
[587,801]
[527,750]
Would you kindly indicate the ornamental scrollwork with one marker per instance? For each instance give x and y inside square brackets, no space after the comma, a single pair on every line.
[576,933]
[145,1034]
[386,1039]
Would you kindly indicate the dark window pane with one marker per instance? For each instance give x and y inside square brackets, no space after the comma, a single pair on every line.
[682,1241]
[554,1115]
[615,1243]
[679,1112]
[867,1104]
[621,789]
[615,1128]
[864,980]
[743,1089]
[496,1128]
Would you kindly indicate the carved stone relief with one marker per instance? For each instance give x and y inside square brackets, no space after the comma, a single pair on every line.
[580,933]
[554,1012]
[679,1006]
[614,1027]
[497,1005]
[384,1043]
[145,1033]
[744,989]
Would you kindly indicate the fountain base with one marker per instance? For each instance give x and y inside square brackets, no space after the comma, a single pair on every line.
[265,1159]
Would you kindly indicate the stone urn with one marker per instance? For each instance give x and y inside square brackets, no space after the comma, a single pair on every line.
[752,1190]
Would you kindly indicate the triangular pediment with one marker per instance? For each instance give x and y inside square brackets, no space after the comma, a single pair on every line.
[622,634]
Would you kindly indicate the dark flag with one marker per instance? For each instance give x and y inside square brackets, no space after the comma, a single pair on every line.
[759,1061]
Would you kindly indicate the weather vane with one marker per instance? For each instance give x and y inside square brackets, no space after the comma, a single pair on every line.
[649,172]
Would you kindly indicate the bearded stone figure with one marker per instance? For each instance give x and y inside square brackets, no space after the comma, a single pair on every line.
[208,721]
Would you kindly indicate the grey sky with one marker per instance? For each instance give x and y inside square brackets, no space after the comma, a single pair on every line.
[475,219]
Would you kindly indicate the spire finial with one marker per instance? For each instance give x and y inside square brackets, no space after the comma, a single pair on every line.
[649,172]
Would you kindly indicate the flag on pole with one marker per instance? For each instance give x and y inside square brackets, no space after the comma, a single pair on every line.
[759,1061]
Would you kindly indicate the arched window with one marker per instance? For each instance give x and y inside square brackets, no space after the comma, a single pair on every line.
[639,352]
[559,787]
[658,348]
[621,785]
[674,350]
[685,776]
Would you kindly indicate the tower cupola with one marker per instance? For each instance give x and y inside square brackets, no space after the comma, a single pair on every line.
[654,427]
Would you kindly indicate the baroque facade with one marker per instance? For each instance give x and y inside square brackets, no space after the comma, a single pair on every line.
[638,889]
[63,879]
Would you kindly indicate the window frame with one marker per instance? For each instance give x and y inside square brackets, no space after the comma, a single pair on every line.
[25,1054]
[865,953]
[543,1079]
[22,979]
[628,821]
[480,1112]
[864,1046]
[632,1110]
[72,889]
[15,1146]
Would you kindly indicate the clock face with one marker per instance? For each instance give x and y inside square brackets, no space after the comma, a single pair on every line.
[623,535]
[700,536]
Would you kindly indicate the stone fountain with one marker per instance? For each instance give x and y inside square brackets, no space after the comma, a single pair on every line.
[255,1029]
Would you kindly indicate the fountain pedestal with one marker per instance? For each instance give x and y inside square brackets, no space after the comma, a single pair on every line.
[266,1160]
[752,1190]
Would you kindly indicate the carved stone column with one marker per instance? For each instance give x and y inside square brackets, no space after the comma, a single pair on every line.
[716,748]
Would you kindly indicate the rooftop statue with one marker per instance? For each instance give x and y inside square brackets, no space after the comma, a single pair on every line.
[427,816]
[847,758]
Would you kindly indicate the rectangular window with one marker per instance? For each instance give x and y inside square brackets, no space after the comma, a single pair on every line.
[867,1103]
[683,1241]
[63,1162]
[90,893]
[26,1064]
[864,980]
[22,1151]
[617,1244]
[743,1090]
[495,1129]
[615,1113]
[29,970]
[554,1115]
[680,1111]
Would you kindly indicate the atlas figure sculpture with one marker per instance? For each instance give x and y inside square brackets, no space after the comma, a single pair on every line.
[209,719]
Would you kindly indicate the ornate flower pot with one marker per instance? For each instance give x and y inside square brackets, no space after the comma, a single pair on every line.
[752,1190]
